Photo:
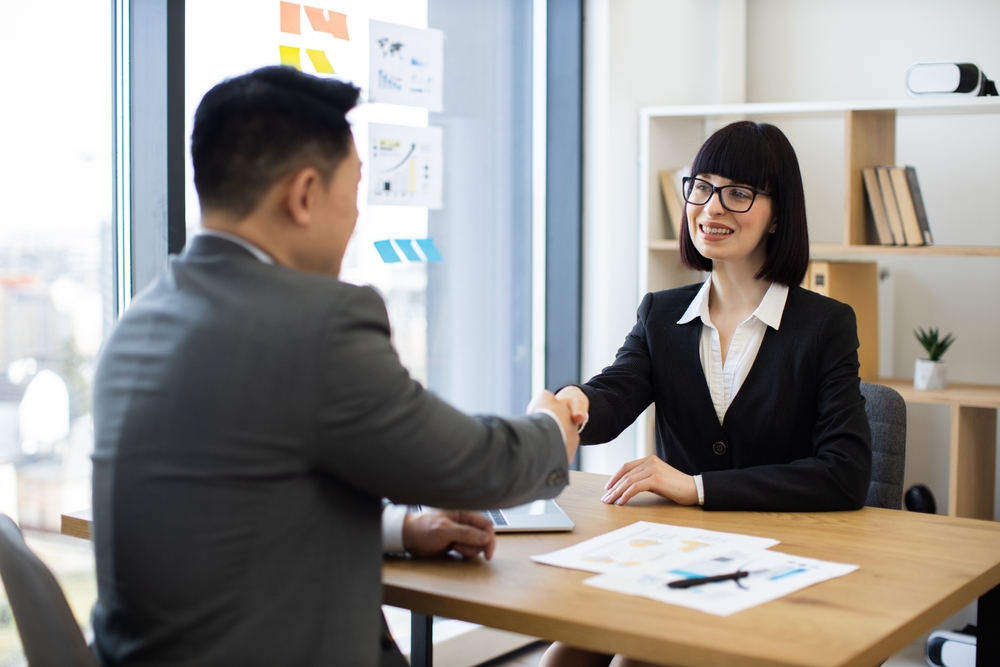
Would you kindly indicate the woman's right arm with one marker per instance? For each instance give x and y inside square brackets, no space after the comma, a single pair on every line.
[624,389]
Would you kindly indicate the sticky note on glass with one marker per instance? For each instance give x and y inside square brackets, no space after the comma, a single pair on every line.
[430,252]
[387,252]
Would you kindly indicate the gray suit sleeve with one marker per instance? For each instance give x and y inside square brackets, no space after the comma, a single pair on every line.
[382,433]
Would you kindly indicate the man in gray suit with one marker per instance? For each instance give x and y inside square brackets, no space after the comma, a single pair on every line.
[251,413]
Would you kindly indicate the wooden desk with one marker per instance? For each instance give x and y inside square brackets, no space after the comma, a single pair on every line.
[916,571]
[77,524]
[973,441]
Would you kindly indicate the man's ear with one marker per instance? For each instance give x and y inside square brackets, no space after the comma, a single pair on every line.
[300,195]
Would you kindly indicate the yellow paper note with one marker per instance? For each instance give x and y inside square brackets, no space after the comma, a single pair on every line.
[320,61]
[290,56]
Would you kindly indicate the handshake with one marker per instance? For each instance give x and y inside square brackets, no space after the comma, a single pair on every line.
[570,407]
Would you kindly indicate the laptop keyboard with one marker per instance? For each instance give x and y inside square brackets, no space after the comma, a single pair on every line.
[496,517]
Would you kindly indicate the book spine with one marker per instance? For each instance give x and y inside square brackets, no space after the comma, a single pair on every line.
[891,208]
[672,201]
[877,207]
[918,205]
[907,212]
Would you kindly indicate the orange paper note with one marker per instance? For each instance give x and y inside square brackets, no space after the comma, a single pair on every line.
[331,22]
[291,18]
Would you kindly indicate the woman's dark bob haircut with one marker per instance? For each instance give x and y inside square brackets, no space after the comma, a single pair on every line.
[758,155]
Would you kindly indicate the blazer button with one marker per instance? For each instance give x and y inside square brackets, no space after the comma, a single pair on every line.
[555,478]
[719,448]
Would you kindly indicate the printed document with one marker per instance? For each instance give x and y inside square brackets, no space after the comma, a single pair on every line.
[770,575]
[646,544]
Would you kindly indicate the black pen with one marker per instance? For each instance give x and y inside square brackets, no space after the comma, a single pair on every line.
[698,581]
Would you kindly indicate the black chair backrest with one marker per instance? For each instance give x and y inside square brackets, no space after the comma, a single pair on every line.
[886,412]
[49,633]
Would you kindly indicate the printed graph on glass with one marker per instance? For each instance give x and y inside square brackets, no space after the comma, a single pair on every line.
[404,166]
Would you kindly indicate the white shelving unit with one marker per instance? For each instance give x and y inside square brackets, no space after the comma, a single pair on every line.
[833,140]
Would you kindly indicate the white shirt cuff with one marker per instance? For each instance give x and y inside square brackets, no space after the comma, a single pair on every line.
[544,411]
[698,484]
[392,529]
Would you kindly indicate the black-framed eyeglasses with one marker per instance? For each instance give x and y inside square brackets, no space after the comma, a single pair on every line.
[735,198]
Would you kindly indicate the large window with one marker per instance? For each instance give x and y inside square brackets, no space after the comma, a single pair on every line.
[461,308]
[55,275]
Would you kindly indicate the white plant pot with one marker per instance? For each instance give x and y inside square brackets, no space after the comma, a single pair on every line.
[930,375]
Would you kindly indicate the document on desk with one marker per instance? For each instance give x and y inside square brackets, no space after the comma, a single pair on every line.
[770,575]
[645,543]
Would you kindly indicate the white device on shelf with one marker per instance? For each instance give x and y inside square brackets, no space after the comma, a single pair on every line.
[948,79]
[951,649]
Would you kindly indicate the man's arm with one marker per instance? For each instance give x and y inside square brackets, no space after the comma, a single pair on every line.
[380,431]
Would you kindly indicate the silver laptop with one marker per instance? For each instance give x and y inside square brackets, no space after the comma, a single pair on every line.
[537,517]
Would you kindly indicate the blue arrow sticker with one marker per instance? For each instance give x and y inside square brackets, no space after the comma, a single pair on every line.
[387,252]
[430,252]
[406,245]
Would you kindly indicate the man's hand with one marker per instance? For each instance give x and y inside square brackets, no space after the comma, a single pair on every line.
[651,474]
[546,400]
[439,531]
[578,404]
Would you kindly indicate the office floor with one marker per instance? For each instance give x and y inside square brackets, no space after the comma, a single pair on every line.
[911,656]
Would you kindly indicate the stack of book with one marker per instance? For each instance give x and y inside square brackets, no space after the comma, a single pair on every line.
[670,188]
[897,206]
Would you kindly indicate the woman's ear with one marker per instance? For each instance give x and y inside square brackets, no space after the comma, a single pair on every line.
[774,227]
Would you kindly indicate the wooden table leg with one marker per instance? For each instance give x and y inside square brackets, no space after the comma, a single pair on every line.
[973,457]
[421,640]
[988,629]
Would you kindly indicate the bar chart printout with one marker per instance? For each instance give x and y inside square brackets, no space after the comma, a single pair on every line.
[404,166]
[406,65]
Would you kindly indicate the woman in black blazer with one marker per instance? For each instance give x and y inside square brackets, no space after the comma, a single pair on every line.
[754,379]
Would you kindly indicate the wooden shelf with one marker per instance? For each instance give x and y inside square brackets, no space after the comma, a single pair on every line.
[843,250]
[956,393]
[830,249]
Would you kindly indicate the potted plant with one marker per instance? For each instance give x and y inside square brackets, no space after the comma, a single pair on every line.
[930,374]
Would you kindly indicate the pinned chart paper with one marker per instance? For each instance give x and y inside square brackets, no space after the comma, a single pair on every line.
[407,65]
[404,166]
[646,544]
[771,575]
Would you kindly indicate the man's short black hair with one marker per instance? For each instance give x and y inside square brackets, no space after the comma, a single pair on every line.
[254,129]
[758,155]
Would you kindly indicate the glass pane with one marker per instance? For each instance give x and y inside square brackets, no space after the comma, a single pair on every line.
[479,298]
[254,38]
[55,275]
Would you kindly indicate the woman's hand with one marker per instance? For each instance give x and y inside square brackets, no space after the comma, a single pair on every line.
[650,474]
[578,404]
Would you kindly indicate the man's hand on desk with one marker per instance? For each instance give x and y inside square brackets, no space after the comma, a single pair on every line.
[548,403]
[654,475]
[439,531]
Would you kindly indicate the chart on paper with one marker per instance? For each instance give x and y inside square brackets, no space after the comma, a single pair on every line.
[769,575]
[406,65]
[404,166]
[644,543]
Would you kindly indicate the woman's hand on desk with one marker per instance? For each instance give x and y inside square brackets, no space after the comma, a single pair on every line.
[439,531]
[653,475]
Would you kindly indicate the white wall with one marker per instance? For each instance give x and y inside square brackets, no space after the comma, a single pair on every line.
[652,52]
[638,53]
[857,49]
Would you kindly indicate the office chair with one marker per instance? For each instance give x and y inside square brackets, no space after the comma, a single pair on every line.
[886,412]
[49,633]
